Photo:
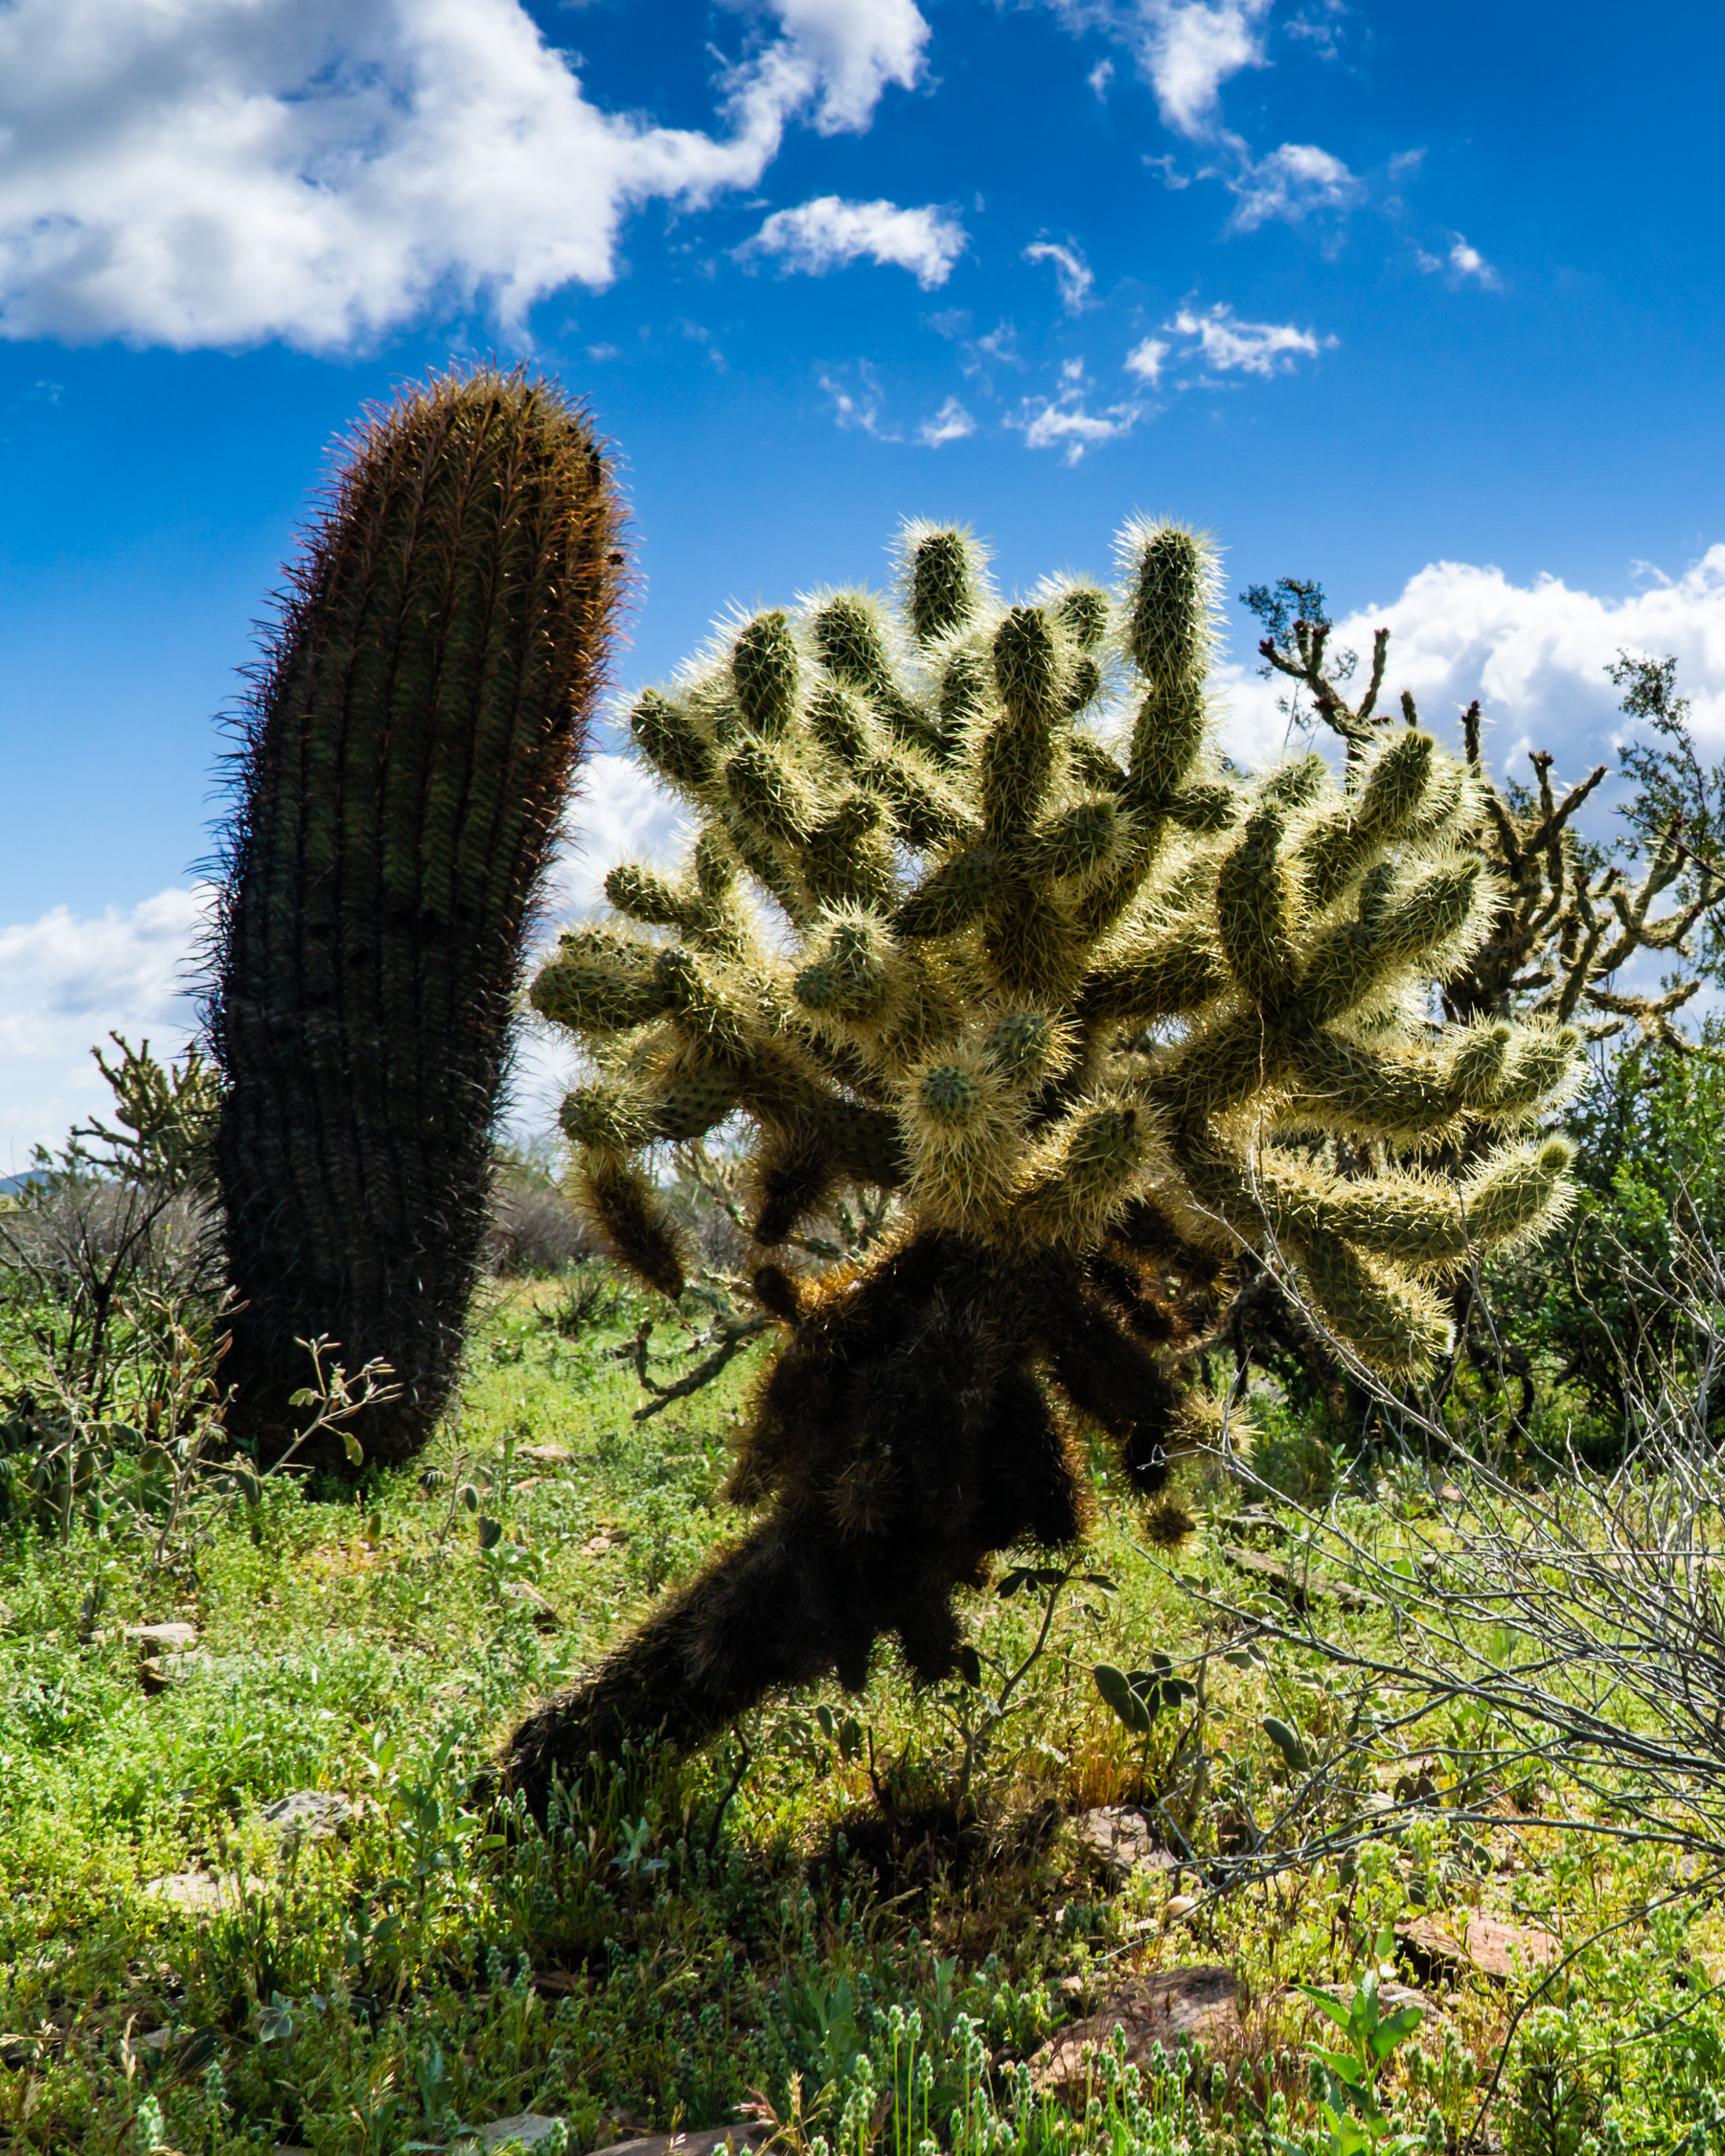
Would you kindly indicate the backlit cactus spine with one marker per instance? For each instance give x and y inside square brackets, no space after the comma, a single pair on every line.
[1103,1015]
[404,762]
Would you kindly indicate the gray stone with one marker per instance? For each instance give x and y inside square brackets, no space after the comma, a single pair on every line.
[527,2128]
[1198,2005]
[310,1815]
[1118,1839]
[1465,1943]
[1298,1587]
[159,1639]
[204,1893]
[539,1607]
[705,2141]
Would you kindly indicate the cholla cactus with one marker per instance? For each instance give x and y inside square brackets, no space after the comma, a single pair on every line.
[1101,1011]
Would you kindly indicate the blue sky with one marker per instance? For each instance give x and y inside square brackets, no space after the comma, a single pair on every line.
[1421,302]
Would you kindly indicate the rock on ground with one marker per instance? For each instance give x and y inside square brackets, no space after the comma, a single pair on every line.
[1198,2005]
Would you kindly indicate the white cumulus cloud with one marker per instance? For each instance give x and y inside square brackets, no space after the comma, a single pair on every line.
[829,232]
[1189,48]
[219,171]
[1147,359]
[68,979]
[65,979]
[1534,654]
[1184,49]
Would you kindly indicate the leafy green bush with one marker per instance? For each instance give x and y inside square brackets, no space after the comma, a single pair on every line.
[1631,1291]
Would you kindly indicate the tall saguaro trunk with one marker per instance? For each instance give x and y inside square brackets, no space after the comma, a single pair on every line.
[405,758]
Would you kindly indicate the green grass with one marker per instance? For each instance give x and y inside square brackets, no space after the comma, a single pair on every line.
[692,1938]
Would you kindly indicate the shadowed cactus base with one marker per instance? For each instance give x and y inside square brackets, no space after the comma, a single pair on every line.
[404,765]
[976,915]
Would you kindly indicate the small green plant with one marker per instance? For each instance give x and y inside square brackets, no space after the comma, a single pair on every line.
[1552,2105]
[1345,2079]
[1136,1697]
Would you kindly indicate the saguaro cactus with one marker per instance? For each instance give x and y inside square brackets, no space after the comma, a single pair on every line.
[1103,1014]
[404,760]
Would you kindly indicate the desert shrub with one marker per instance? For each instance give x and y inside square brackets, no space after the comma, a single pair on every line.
[530,1225]
[1618,1301]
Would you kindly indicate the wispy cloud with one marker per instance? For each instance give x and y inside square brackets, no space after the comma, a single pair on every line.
[1462,263]
[1289,184]
[1072,273]
[1065,421]
[1228,346]
[859,408]
[950,424]
[320,171]
[829,233]
[1188,51]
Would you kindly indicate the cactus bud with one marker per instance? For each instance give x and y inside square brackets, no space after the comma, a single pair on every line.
[1083,843]
[769,794]
[1025,1044]
[943,585]
[671,741]
[1392,1324]
[644,895]
[1478,1064]
[603,1116]
[1026,667]
[1396,786]
[844,857]
[764,670]
[1168,610]
[840,723]
[950,1095]
[849,639]
[624,1209]
[1082,611]
[600,981]
[1254,909]
[1508,1196]
[962,699]
[1165,741]
[950,896]
[852,977]
[715,868]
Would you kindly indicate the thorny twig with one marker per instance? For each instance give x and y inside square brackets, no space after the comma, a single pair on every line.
[1559,937]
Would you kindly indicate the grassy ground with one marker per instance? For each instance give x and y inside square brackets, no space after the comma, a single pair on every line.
[741,1934]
